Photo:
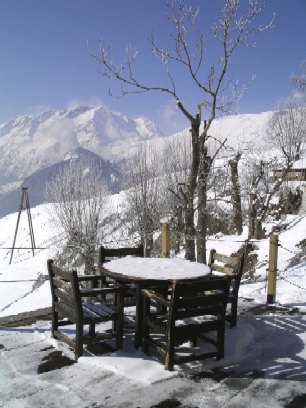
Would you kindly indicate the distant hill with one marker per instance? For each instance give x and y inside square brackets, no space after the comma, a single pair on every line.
[10,202]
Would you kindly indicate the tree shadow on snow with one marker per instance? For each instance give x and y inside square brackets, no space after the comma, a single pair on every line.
[270,347]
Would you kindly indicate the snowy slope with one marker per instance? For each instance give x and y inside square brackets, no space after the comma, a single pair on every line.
[36,182]
[242,130]
[245,131]
[18,297]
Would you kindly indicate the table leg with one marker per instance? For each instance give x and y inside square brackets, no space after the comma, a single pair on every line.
[139,316]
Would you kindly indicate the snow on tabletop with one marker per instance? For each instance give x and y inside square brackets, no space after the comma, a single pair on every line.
[158,268]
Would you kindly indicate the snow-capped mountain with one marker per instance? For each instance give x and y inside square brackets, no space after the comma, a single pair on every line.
[31,146]
[29,143]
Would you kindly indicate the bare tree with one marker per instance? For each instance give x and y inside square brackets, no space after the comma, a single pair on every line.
[287,131]
[236,196]
[286,134]
[299,80]
[257,174]
[240,154]
[176,165]
[79,197]
[144,195]
[234,27]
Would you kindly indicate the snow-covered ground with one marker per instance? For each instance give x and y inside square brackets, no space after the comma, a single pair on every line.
[265,355]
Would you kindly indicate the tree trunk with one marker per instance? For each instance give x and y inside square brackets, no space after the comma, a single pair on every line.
[189,234]
[236,197]
[179,228]
[204,168]
[147,241]
[191,189]
[252,215]
[259,230]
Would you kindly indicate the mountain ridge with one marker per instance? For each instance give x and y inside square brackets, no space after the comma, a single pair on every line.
[29,143]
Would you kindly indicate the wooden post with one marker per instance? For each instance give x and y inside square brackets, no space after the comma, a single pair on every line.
[302,209]
[273,250]
[165,240]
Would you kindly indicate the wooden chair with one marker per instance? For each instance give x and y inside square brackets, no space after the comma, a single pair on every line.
[232,266]
[107,254]
[132,291]
[194,308]
[69,308]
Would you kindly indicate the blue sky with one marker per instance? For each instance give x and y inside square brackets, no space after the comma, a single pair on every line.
[45,64]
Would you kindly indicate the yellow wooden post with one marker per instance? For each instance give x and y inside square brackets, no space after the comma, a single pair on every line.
[272,274]
[165,240]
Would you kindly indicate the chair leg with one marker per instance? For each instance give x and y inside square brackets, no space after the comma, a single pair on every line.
[118,324]
[145,327]
[79,340]
[220,341]
[169,361]
[139,316]
[163,290]
[233,322]
[54,322]
[233,319]
[92,330]
[103,284]
[194,342]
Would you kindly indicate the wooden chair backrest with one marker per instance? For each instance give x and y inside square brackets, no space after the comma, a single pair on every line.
[198,297]
[106,254]
[225,263]
[65,292]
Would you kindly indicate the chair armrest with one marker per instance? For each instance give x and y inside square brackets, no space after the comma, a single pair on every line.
[86,278]
[153,295]
[217,274]
[98,291]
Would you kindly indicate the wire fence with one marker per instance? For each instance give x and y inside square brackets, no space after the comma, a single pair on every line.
[292,283]
[136,237]
[10,248]
[288,250]
[280,273]
[25,280]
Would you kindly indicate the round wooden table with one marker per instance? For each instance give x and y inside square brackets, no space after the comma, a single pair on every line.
[148,272]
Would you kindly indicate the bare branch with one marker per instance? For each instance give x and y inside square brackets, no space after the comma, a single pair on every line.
[125,72]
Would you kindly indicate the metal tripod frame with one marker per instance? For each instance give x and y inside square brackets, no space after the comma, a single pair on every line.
[24,200]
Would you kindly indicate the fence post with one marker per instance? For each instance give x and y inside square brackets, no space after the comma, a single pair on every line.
[165,240]
[302,209]
[273,251]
